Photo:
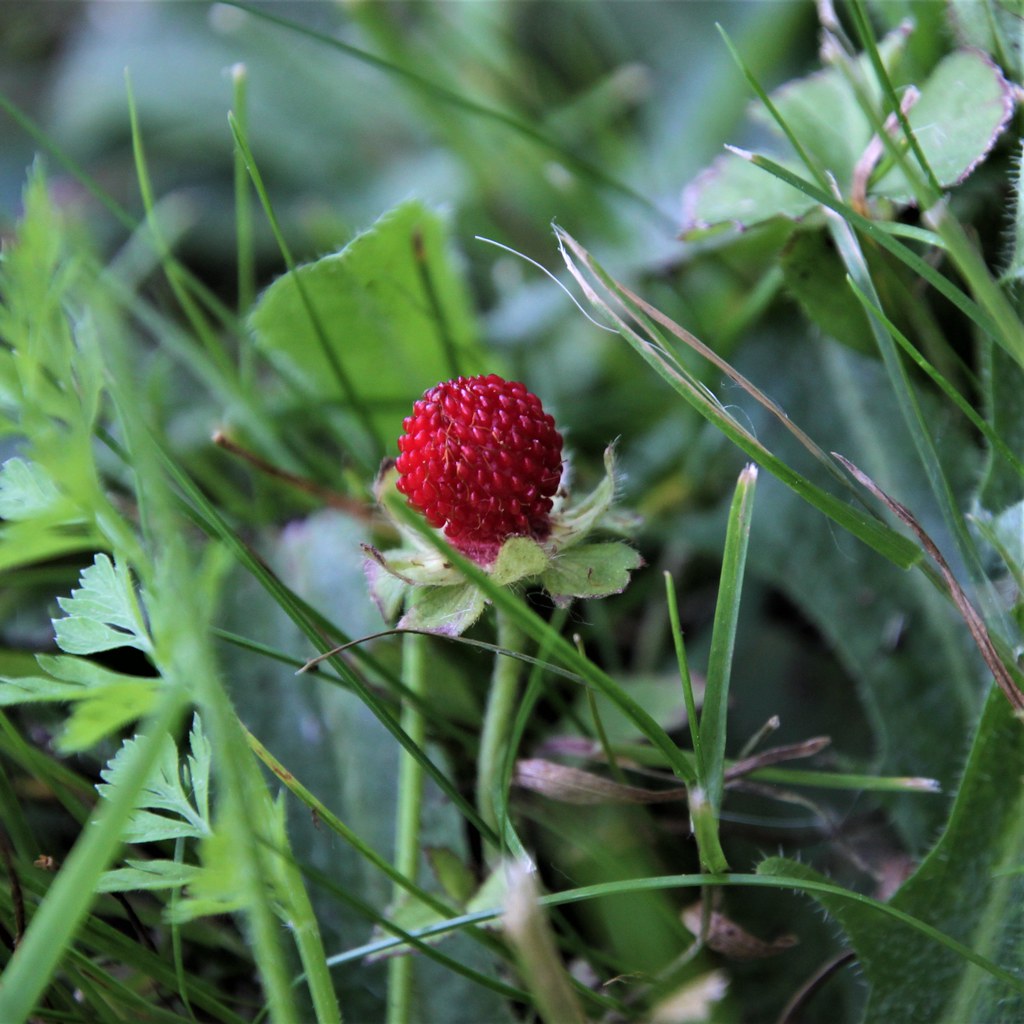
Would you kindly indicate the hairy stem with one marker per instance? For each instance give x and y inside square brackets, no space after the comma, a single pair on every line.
[407,825]
[498,720]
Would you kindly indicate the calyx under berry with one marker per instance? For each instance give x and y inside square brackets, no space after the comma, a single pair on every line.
[483,462]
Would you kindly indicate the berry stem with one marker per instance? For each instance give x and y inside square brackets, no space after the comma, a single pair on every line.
[407,822]
[498,719]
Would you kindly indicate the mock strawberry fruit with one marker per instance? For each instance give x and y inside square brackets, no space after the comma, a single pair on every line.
[481,458]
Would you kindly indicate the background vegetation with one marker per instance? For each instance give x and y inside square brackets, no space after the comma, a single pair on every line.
[191,428]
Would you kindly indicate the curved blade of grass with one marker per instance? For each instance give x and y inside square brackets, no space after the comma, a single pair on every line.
[783,882]
[651,348]
[171,268]
[441,724]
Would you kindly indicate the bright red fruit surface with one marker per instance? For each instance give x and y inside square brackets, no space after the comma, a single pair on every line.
[481,458]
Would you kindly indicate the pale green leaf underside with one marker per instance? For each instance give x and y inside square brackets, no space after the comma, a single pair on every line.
[102,701]
[148,874]
[446,610]
[186,813]
[102,614]
[962,109]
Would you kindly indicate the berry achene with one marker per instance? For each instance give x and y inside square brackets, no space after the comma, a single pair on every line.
[481,458]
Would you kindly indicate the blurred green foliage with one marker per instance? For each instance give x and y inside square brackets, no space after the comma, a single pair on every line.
[389,136]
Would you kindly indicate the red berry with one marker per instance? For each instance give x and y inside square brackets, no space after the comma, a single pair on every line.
[481,458]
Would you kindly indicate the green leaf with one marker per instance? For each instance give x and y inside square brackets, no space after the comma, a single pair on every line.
[215,888]
[591,570]
[165,791]
[449,611]
[518,559]
[457,880]
[730,193]
[822,112]
[816,278]
[378,315]
[102,614]
[963,108]
[991,26]
[101,713]
[28,492]
[148,874]
[104,701]
[40,522]
[963,889]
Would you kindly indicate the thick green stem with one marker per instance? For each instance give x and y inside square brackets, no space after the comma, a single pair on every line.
[498,720]
[407,825]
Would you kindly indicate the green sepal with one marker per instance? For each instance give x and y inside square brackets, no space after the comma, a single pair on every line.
[519,558]
[571,526]
[449,611]
[590,570]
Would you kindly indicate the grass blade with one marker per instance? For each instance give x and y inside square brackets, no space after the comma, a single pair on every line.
[651,347]
[723,637]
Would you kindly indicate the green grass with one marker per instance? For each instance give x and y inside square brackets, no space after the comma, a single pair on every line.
[222,290]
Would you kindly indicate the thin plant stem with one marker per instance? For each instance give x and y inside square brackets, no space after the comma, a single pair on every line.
[407,826]
[498,719]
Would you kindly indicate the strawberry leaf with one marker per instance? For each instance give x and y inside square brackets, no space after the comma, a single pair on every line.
[374,318]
